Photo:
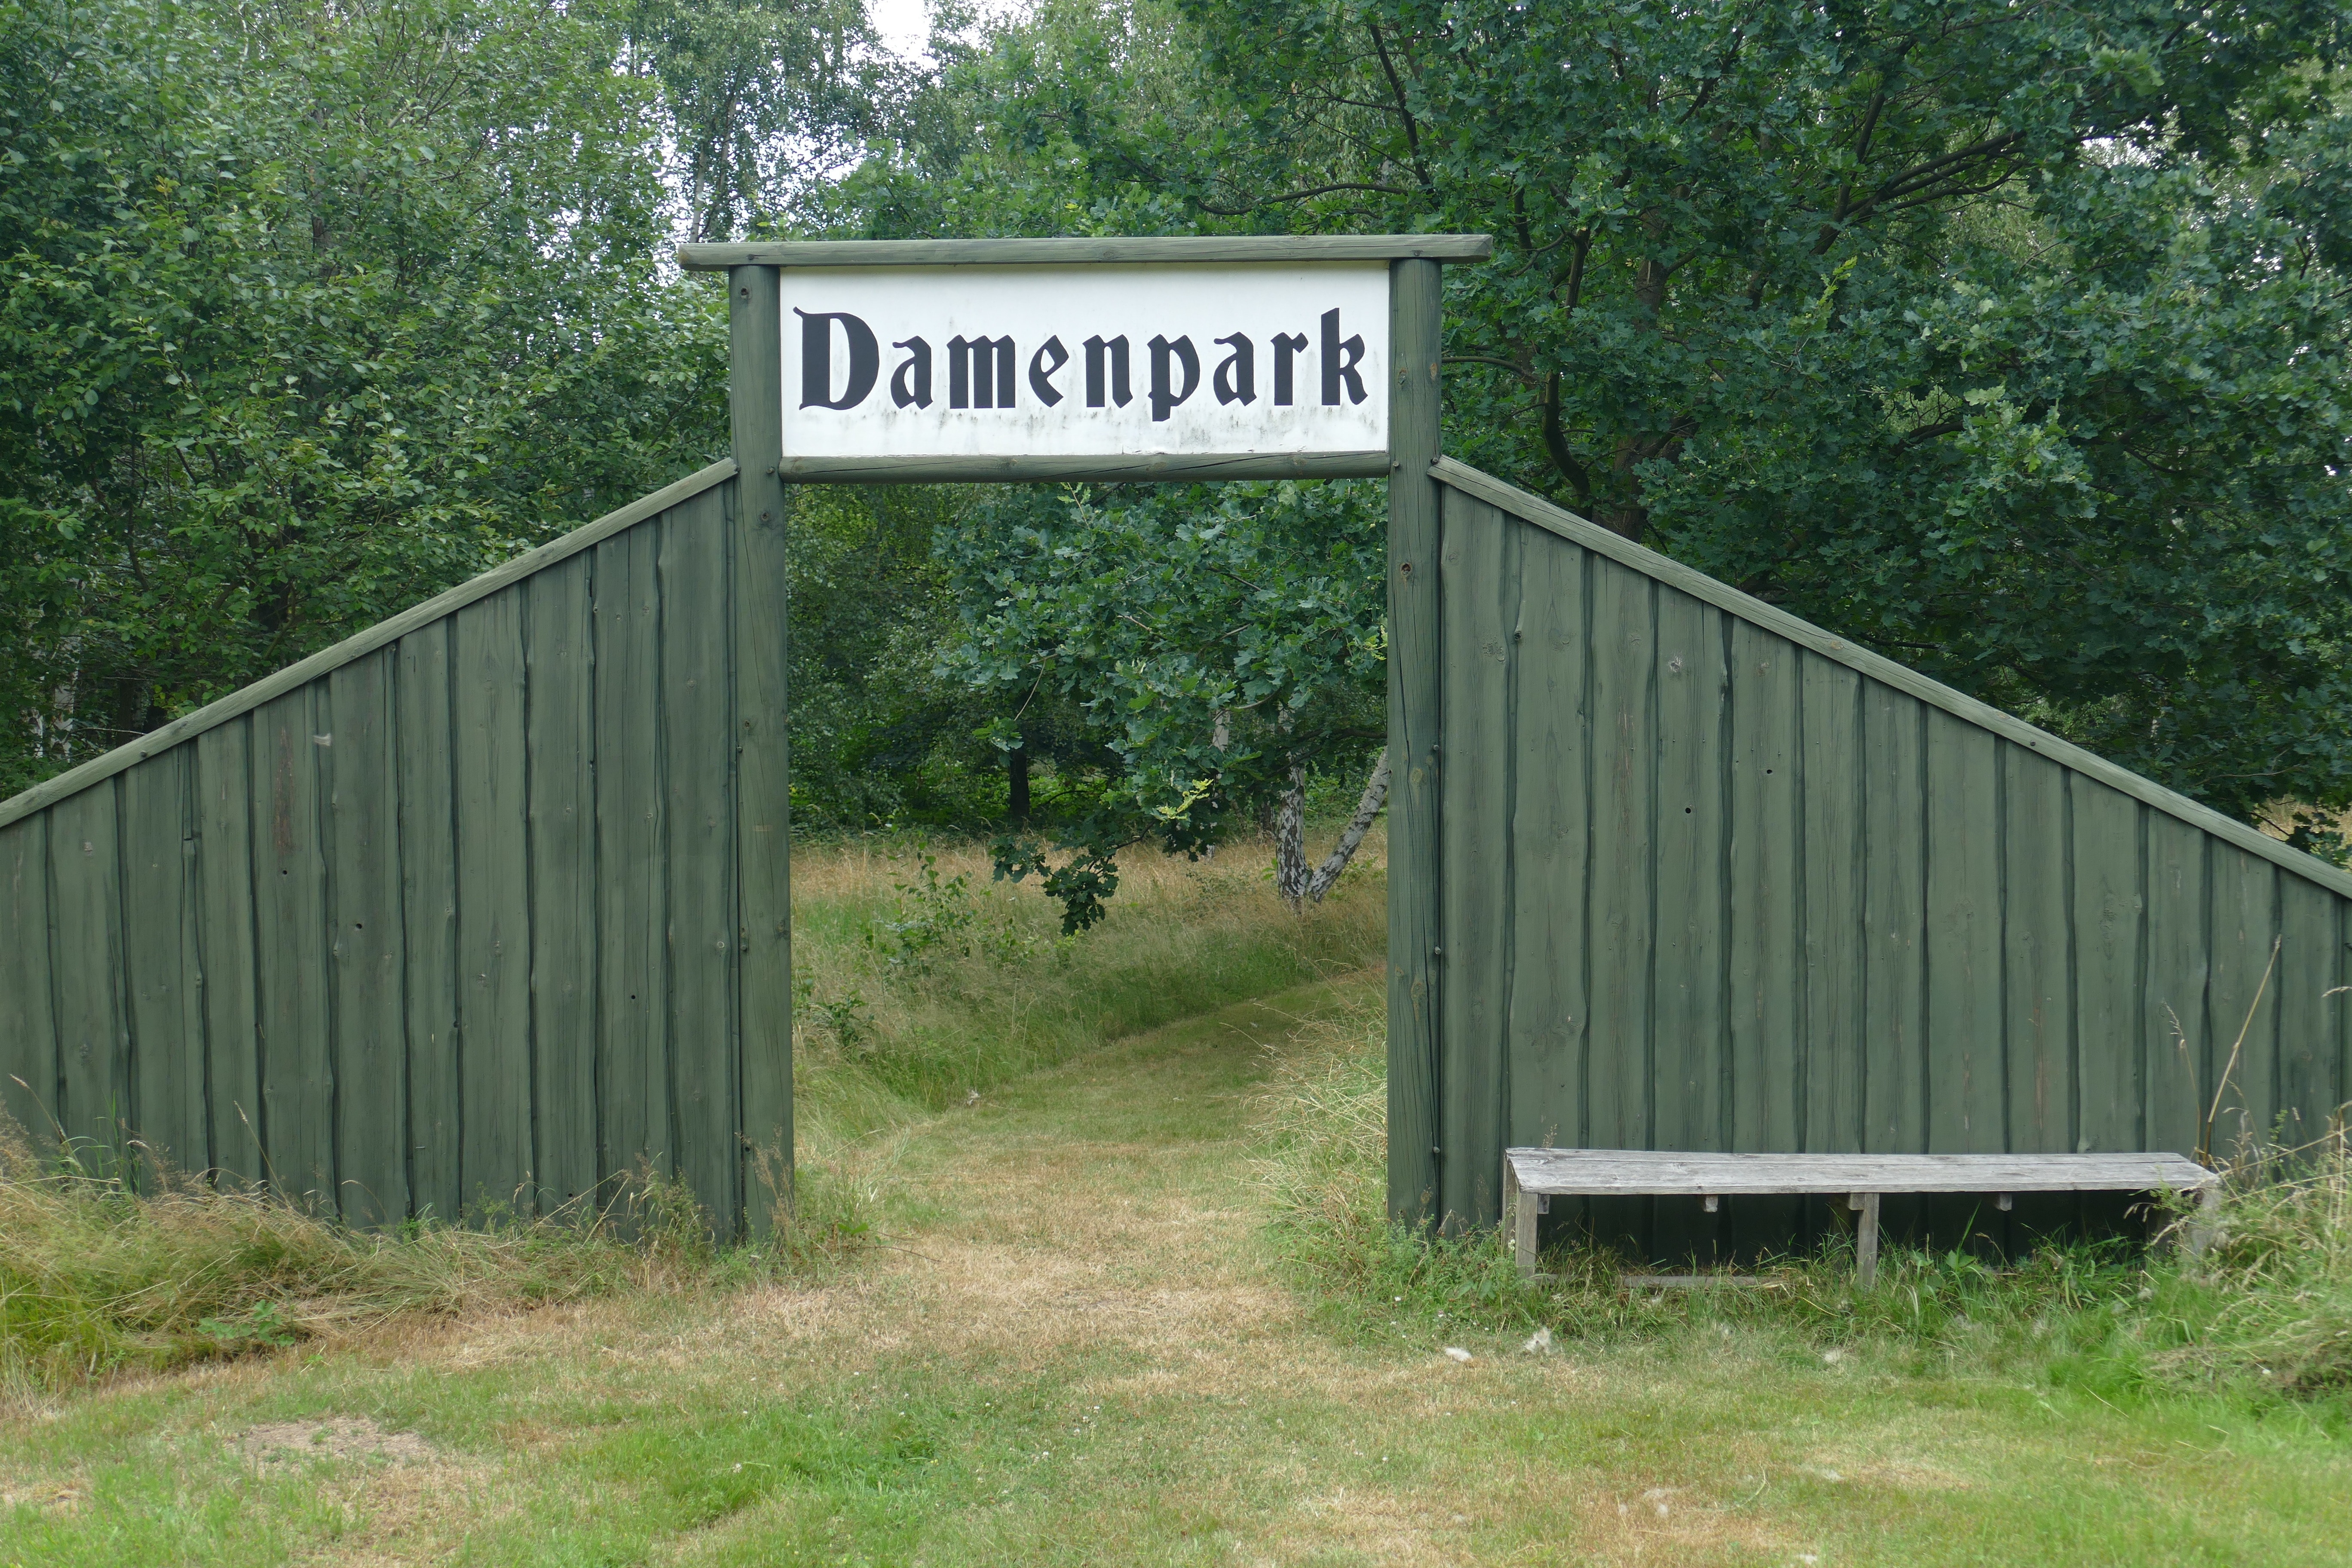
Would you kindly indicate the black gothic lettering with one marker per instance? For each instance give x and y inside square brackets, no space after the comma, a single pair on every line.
[1116,351]
[1042,372]
[910,384]
[1284,346]
[1163,398]
[1237,379]
[970,385]
[1340,362]
[816,359]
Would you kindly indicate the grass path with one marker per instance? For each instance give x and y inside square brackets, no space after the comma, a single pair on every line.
[1074,1350]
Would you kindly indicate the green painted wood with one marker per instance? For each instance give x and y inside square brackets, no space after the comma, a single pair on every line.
[697,742]
[2309,1018]
[1764,1082]
[289,882]
[2037,1006]
[1433,247]
[1967,1096]
[1545,1055]
[755,400]
[632,895]
[1540,513]
[1625,795]
[1835,1039]
[367,947]
[1479,584]
[424,722]
[2244,925]
[2109,899]
[559,656]
[490,701]
[1415,713]
[30,1068]
[381,635]
[163,976]
[2177,1048]
[225,947]
[85,958]
[1690,976]
[1894,911]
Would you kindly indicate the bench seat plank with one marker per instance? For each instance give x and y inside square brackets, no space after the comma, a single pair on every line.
[1595,1172]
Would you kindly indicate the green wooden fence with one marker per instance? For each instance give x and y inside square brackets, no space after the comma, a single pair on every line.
[1708,877]
[487,903]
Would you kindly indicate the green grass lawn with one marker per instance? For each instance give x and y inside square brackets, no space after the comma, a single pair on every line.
[1080,1337]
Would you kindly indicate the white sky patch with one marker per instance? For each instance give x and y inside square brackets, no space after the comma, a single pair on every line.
[904,26]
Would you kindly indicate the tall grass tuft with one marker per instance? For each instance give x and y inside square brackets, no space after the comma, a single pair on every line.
[2267,1309]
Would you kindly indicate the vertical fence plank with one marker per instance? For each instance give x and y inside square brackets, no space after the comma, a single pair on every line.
[2110,931]
[1545,1055]
[2179,1051]
[632,895]
[1966,1096]
[225,938]
[1894,920]
[2307,1014]
[2037,1014]
[1624,843]
[558,653]
[298,1088]
[1693,948]
[1766,1071]
[494,1076]
[367,950]
[698,741]
[1478,580]
[29,1040]
[763,847]
[2245,899]
[428,898]
[163,979]
[1835,1057]
[85,862]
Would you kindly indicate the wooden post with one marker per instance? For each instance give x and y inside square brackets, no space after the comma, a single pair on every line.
[755,388]
[1417,1190]
[1519,1211]
[2207,1219]
[1866,1239]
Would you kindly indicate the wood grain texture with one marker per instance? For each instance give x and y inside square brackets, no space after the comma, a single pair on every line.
[2243,995]
[2177,1048]
[1545,1055]
[1768,1064]
[367,947]
[1590,1171]
[163,977]
[1966,1097]
[1479,579]
[30,1068]
[697,742]
[2310,1010]
[428,844]
[224,946]
[1078,251]
[85,958]
[1836,1060]
[1893,920]
[381,635]
[496,1156]
[1624,800]
[1416,719]
[759,506]
[2037,1011]
[1543,514]
[290,878]
[559,662]
[632,890]
[2110,932]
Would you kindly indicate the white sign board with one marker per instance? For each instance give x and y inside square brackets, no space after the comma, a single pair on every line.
[1089,361]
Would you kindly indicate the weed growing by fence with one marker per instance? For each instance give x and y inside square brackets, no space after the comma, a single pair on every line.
[2265,1313]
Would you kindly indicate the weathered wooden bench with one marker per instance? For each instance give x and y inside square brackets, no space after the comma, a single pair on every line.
[1533,1177]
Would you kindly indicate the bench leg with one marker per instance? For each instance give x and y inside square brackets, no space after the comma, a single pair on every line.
[2209,1215]
[1866,1239]
[1520,1209]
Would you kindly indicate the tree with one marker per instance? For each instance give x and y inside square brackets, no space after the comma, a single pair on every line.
[1225,640]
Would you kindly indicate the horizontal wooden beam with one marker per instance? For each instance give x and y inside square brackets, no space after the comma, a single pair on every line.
[1143,467]
[1593,1173]
[247,698]
[1557,519]
[1078,251]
